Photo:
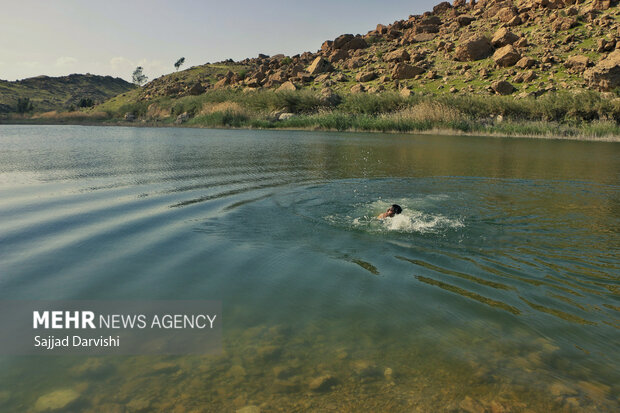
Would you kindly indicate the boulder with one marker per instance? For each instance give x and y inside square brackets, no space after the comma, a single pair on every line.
[426,28]
[405,92]
[319,65]
[442,7]
[525,62]
[322,383]
[183,117]
[322,78]
[56,401]
[329,98]
[503,37]
[287,86]
[359,88]
[327,45]
[529,76]
[506,14]
[349,42]
[503,87]
[399,55]
[365,76]
[286,116]
[422,37]
[604,45]
[354,63]
[248,409]
[223,82]
[577,63]
[475,48]
[338,55]
[563,23]
[465,20]
[515,21]
[525,77]
[196,89]
[506,56]
[606,74]
[522,42]
[406,71]
[601,4]
[355,44]
[341,40]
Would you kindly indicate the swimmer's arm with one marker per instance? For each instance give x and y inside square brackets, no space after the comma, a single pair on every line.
[382,216]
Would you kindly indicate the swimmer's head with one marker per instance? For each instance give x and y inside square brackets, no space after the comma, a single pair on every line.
[394,210]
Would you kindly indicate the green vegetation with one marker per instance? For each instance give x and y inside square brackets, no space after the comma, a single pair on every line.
[59,93]
[564,114]
[547,95]
[178,63]
[86,103]
[138,77]
[24,105]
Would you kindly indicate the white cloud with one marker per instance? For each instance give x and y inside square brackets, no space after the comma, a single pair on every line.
[66,61]
[120,62]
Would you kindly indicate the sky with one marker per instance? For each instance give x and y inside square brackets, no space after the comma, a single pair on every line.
[112,37]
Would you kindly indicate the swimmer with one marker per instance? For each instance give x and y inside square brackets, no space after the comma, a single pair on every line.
[391,211]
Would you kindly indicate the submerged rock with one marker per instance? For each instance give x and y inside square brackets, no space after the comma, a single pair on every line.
[92,367]
[56,401]
[138,406]
[366,370]
[388,373]
[323,383]
[249,409]
[470,405]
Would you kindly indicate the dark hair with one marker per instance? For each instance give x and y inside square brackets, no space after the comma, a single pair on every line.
[397,209]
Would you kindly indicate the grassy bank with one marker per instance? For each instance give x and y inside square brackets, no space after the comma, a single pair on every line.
[582,115]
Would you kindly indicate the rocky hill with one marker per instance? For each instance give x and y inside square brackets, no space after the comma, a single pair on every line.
[508,47]
[60,93]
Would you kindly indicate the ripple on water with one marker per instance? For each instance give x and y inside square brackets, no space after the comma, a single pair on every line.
[484,294]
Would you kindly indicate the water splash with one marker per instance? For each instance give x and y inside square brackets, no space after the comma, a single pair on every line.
[413,219]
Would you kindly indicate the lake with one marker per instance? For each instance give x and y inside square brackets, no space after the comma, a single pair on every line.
[496,289]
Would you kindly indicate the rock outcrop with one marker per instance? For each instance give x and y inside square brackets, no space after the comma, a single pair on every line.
[605,75]
[475,48]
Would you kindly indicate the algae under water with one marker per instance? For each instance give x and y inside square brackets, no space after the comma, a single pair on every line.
[496,288]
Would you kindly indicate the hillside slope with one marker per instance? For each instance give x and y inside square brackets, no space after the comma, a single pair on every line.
[60,93]
[520,48]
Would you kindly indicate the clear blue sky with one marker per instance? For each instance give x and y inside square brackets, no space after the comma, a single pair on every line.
[112,37]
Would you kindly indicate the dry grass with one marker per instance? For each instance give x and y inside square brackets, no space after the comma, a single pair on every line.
[426,112]
[154,111]
[75,115]
[223,107]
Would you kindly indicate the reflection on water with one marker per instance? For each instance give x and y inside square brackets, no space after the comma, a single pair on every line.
[495,290]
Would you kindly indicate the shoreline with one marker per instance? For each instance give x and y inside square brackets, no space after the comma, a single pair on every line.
[430,131]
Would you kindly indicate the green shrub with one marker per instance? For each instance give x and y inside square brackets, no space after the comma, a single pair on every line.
[24,105]
[372,104]
[138,109]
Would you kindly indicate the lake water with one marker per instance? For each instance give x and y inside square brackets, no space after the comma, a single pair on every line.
[496,289]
